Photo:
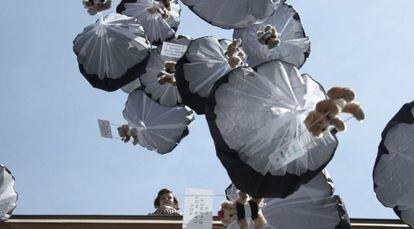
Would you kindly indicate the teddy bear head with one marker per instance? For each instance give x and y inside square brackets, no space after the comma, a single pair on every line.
[169,66]
[341,93]
[228,213]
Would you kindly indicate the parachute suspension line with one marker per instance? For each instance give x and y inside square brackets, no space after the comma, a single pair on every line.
[313,139]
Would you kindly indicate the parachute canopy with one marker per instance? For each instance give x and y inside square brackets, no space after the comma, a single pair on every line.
[394,167]
[112,52]
[160,21]
[293,47]
[161,65]
[160,128]
[229,14]
[312,206]
[256,120]
[201,66]
[8,195]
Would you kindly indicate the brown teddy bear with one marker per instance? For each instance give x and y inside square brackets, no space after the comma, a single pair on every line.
[340,99]
[163,7]
[234,54]
[167,73]
[231,211]
[95,6]
[125,133]
[268,36]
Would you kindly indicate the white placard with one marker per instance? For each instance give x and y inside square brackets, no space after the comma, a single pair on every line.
[173,50]
[292,152]
[198,209]
[105,128]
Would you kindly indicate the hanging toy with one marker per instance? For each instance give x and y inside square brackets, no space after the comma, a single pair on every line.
[95,6]
[163,7]
[325,114]
[167,73]
[231,211]
[125,133]
[268,36]
[235,54]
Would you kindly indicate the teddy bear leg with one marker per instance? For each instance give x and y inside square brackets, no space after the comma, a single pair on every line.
[241,54]
[152,10]
[162,79]
[355,110]
[134,135]
[341,93]
[135,140]
[339,125]
[273,42]
[243,224]
[165,14]
[260,222]
[234,61]
[92,11]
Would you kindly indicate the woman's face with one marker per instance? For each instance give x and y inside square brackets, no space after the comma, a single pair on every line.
[167,199]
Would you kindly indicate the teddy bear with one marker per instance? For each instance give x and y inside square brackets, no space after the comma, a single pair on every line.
[235,54]
[167,73]
[340,99]
[231,211]
[126,133]
[163,7]
[268,36]
[95,6]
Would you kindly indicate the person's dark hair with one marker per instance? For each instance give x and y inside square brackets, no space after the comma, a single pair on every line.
[162,192]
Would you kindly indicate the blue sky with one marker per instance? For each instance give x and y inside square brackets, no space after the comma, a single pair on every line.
[48,111]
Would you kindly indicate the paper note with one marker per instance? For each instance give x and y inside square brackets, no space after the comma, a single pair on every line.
[198,209]
[173,50]
[290,153]
[105,128]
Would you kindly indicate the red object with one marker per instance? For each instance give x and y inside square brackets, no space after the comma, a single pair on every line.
[220,214]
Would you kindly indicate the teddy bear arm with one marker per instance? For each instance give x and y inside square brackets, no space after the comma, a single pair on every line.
[241,54]
[354,109]
[339,124]
[274,32]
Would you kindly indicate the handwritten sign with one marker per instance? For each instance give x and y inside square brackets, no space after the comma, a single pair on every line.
[173,50]
[105,128]
[198,209]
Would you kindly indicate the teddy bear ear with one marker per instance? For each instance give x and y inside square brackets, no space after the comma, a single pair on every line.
[226,205]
